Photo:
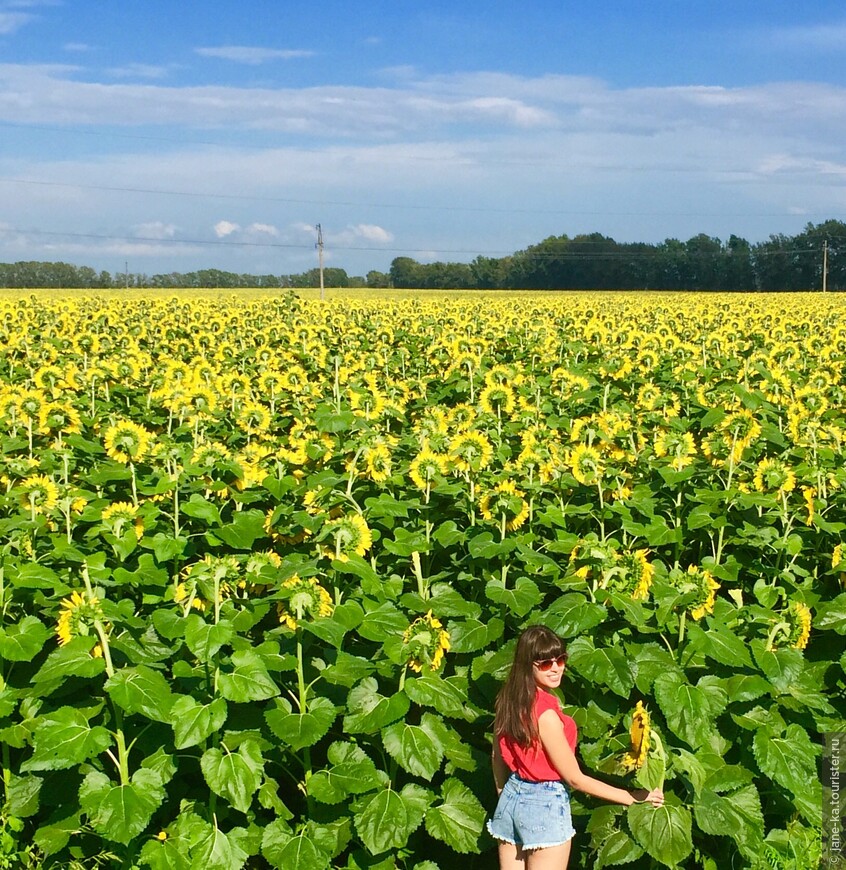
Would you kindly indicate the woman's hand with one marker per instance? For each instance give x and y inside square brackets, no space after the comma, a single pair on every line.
[655,797]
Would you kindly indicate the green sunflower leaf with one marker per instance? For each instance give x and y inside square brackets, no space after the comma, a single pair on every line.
[663,832]
[519,599]
[121,812]
[204,639]
[74,659]
[299,730]
[368,711]
[234,776]
[64,739]
[617,848]
[572,614]
[248,680]
[22,641]
[193,722]
[416,747]
[352,772]
[458,819]
[607,666]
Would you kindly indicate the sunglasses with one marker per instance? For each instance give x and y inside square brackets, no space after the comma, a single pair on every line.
[546,664]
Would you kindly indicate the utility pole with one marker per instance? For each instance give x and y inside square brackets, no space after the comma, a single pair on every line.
[825,266]
[319,247]
[126,274]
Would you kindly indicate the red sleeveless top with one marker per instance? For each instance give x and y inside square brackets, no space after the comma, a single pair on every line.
[533,763]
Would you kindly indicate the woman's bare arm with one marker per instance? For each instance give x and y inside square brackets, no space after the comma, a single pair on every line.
[551,731]
[500,768]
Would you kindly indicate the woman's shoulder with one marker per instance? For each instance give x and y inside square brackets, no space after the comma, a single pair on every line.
[546,701]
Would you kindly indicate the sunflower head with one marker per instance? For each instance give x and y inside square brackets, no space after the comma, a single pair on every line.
[305,598]
[39,494]
[77,618]
[586,464]
[701,585]
[505,503]
[639,734]
[425,642]
[127,442]
[349,534]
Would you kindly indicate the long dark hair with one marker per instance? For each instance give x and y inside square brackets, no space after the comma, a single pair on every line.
[516,699]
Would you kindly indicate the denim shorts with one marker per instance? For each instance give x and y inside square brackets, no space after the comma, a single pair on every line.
[533,815]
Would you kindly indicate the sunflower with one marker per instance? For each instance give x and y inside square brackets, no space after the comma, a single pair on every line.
[30,404]
[351,535]
[377,463]
[800,618]
[586,464]
[304,598]
[59,417]
[505,501]
[739,431]
[715,447]
[470,451]
[127,442]
[497,399]
[253,417]
[366,400]
[426,468]
[425,642]
[678,447]
[77,617]
[201,579]
[120,514]
[39,494]
[702,584]
[773,476]
[638,572]
[249,461]
[639,734]
[809,493]
[209,453]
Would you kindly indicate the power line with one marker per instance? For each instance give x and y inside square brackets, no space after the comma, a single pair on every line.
[389,205]
[623,255]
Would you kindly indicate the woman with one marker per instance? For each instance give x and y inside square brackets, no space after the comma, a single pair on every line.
[533,758]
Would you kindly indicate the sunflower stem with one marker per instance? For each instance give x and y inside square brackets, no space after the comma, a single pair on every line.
[303,700]
[422,585]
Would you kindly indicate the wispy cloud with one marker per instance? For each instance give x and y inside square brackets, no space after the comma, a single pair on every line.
[140,71]
[253,55]
[156,230]
[363,232]
[222,229]
[77,47]
[816,37]
[11,22]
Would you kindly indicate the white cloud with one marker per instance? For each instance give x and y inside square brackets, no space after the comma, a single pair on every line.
[76,46]
[372,233]
[139,71]
[156,230]
[11,22]
[252,55]
[817,37]
[225,228]
[262,230]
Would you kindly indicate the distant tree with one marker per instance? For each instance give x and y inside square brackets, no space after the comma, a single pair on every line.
[490,272]
[405,273]
[378,279]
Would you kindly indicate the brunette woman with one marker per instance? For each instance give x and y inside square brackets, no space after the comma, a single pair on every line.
[534,762]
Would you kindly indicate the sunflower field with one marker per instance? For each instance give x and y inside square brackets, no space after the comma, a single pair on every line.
[265,559]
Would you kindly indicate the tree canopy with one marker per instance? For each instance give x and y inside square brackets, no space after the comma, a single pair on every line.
[584,262]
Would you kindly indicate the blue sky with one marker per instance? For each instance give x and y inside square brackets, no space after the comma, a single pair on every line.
[175,136]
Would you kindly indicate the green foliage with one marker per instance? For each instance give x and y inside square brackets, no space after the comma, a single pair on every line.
[277,652]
